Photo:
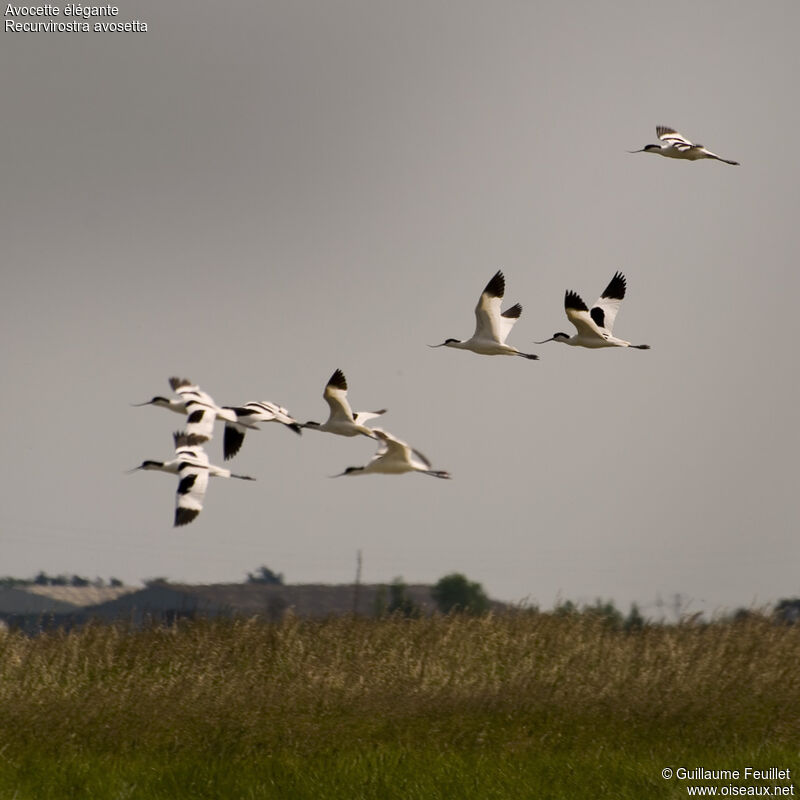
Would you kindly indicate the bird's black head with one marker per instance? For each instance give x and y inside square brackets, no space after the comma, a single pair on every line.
[556,337]
[154,401]
[349,471]
[648,148]
[150,465]
[446,342]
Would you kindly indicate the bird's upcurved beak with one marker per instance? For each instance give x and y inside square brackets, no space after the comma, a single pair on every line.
[130,471]
[635,151]
[436,345]
[552,338]
[138,405]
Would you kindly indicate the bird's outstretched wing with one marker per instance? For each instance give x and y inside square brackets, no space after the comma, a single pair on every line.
[578,314]
[604,311]
[201,409]
[335,395]
[360,417]
[192,478]
[487,311]
[672,137]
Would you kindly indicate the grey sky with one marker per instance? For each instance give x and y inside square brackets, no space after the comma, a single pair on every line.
[252,194]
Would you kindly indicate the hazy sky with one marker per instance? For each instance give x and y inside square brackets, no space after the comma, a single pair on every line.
[252,194]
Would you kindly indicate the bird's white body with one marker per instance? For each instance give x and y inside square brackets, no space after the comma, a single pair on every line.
[395,457]
[675,145]
[594,327]
[342,421]
[196,404]
[247,417]
[191,465]
[492,326]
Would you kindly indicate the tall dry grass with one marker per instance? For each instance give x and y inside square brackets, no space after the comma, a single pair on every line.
[247,686]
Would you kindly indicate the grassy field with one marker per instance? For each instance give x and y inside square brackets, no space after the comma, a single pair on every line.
[523,705]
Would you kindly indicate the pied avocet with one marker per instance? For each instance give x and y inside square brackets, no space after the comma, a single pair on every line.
[246,418]
[594,326]
[199,407]
[341,419]
[191,466]
[491,326]
[395,457]
[674,145]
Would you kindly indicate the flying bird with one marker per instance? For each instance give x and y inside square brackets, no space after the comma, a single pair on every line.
[491,326]
[395,457]
[341,419]
[199,407]
[674,145]
[191,466]
[246,418]
[595,326]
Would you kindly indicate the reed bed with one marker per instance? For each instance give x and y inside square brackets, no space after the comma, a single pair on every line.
[493,706]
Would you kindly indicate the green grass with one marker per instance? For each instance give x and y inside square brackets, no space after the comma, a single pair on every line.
[523,705]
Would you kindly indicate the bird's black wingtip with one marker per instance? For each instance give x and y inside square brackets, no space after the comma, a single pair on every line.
[231,442]
[574,302]
[497,285]
[177,383]
[183,439]
[338,380]
[616,287]
[183,516]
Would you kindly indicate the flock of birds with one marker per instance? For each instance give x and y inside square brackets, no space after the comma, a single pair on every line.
[191,464]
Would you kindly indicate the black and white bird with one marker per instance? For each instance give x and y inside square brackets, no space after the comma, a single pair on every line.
[394,457]
[198,406]
[595,326]
[192,468]
[491,326]
[674,145]
[246,418]
[341,419]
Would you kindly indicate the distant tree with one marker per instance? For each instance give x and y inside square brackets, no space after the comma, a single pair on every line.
[605,611]
[8,582]
[788,611]
[634,621]
[43,579]
[115,582]
[455,593]
[400,602]
[743,615]
[565,609]
[265,575]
